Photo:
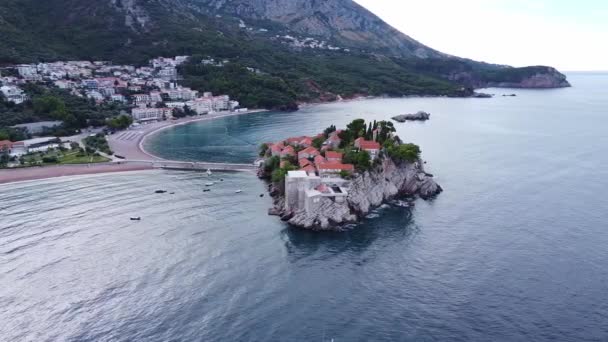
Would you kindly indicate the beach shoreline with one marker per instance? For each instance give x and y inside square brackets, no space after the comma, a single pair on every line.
[132,149]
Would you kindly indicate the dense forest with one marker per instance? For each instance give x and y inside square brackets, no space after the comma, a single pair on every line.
[49,103]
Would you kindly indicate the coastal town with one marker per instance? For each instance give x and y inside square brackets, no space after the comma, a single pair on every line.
[145,95]
[317,180]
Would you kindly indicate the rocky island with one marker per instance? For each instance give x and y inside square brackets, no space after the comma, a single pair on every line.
[419,116]
[339,176]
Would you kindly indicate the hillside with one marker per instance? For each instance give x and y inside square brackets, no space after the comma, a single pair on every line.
[305,50]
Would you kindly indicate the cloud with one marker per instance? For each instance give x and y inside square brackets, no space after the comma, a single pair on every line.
[563,34]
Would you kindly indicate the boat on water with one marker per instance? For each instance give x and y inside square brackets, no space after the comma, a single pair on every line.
[238,191]
[206,190]
[136,218]
[160,191]
[209,173]
[209,184]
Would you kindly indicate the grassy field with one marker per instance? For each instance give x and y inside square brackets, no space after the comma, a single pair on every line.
[57,157]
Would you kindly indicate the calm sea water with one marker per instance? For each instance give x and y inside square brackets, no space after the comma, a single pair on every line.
[515,249]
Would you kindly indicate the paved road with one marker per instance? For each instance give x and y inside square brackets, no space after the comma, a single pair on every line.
[181,165]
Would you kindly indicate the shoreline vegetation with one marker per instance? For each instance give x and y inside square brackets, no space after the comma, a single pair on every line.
[133,152]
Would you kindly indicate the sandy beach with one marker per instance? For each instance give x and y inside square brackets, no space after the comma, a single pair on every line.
[128,144]
[33,173]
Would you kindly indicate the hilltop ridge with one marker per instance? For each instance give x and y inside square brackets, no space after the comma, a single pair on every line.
[306,50]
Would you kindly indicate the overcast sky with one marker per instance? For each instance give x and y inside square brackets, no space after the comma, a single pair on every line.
[568,34]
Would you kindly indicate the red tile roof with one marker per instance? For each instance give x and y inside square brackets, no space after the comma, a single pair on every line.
[333,155]
[294,140]
[320,160]
[310,150]
[309,168]
[288,151]
[304,162]
[369,145]
[336,166]
[307,141]
[5,144]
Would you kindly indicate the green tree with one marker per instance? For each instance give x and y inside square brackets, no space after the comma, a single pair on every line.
[271,164]
[4,158]
[120,122]
[329,130]
[405,152]
[263,149]
[278,175]
[318,142]
[356,128]
[50,105]
[360,159]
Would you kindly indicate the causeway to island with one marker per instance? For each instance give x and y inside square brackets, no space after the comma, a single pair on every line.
[339,176]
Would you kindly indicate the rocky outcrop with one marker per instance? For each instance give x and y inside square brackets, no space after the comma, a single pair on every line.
[419,116]
[533,77]
[342,21]
[537,81]
[368,191]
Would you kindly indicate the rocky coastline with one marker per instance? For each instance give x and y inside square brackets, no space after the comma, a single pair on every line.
[387,181]
[419,116]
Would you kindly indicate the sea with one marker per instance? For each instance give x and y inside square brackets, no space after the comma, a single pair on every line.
[514,249]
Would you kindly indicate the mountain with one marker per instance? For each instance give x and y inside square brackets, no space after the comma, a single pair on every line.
[341,21]
[304,50]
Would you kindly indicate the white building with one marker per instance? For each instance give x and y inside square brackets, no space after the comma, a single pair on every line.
[180,93]
[142,99]
[233,105]
[304,191]
[28,71]
[201,105]
[296,185]
[179,105]
[168,73]
[41,144]
[118,98]
[95,95]
[156,97]
[151,114]
[13,94]
[221,103]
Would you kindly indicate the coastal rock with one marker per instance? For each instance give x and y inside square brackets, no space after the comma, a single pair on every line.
[368,191]
[482,96]
[534,77]
[419,116]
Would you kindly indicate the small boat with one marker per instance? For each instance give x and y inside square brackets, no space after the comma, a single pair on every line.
[238,191]
[136,218]
[206,190]
[261,195]
[209,172]
[222,179]
[160,191]
[172,193]
[209,184]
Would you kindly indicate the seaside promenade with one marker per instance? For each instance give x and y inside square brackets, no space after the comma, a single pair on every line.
[130,155]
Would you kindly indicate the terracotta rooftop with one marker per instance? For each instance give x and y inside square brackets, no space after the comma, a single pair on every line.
[336,166]
[333,155]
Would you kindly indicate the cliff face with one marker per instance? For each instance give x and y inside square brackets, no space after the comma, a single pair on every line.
[551,78]
[342,21]
[367,192]
[506,77]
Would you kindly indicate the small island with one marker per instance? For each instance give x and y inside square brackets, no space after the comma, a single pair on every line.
[419,116]
[339,176]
